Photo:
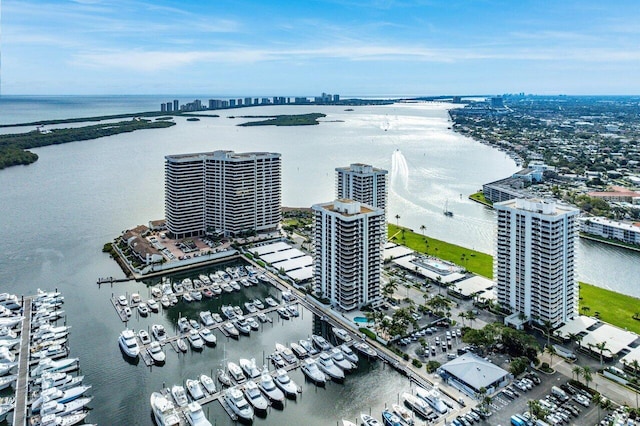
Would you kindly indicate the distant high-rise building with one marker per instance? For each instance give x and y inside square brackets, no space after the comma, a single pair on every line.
[534,266]
[232,102]
[336,98]
[169,107]
[222,192]
[348,253]
[247,101]
[176,105]
[163,107]
[497,102]
[363,183]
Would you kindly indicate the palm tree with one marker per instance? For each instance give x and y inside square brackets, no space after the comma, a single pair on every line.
[577,370]
[462,315]
[636,366]
[597,399]
[586,373]
[423,228]
[548,328]
[471,317]
[398,220]
[602,346]
[551,351]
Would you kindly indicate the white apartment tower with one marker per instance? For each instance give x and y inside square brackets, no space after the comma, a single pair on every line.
[363,183]
[348,252]
[222,192]
[535,259]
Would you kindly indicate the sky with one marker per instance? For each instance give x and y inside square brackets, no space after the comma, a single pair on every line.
[305,47]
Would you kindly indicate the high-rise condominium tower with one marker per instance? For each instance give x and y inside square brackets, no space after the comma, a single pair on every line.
[363,183]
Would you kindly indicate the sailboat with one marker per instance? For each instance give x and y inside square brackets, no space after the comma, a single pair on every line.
[446,210]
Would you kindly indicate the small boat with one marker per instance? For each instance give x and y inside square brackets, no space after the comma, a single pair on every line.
[173,299]
[245,282]
[365,350]
[242,326]
[207,293]
[59,409]
[340,360]
[320,342]
[286,353]
[236,372]
[342,334]
[143,309]
[195,340]
[216,317]
[238,404]
[234,285]
[277,360]
[284,314]
[179,395]
[208,337]
[187,284]
[349,354]
[311,370]
[135,298]
[144,337]
[305,343]
[269,388]
[263,278]
[194,388]
[433,398]
[284,382]
[249,367]
[224,378]
[183,325]
[299,350]
[181,344]
[348,423]
[196,295]
[156,353]
[417,405]
[238,310]
[293,310]
[253,324]
[156,291]
[208,384]
[122,300]
[271,302]
[326,364]
[197,283]
[195,416]
[68,420]
[391,419]
[194,324]
[252,280]
[216,289]
[403,413]
[153,305]
[7,381]
[59,366]
[367,420]
[226,287]
[230,329]
[255,397]
[263,318]
[164,411]
[250,307]
[205,279]
[258,304]
[178,287]
[228,311]
[159,332]
[167,289]
[60,396]
[165,302]
[187,297]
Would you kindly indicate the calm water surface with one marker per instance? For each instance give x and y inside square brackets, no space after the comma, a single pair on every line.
[57,213]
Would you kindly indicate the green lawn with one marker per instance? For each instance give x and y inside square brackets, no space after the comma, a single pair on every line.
[474,261]
[479,197]
[614,308]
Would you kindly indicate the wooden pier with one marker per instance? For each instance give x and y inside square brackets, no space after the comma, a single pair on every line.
[22,384]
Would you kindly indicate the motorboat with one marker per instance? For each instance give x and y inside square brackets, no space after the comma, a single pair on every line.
[245,282]
[255,397]
[7,381]
[183,324]
[253,324]
[238,310]
[197,283]
[250,307]
[271,302]
[51,351]
[143,309]
[187,297]
[173,298]
[403,413]
[167,289]
[320,342]
[156,291]
[286,353]
[164,412]
[178,287]
[235,286]
[277,360]
[340,360]
[349,354]
[236,372]
[367,420]
[365,350]
[284,314]
[60,396]
[284,382]
[252,280]
[181,344]
[205,279]
[187,284]
[6,355]
[226,287]
[238,404]
[389,418]
[249,367]
[305,343]
[156,353]
[195,340]
[293,310]
[268,386]
[61,381]
[341,334]
[216,317]
[206,292]
[144,337]
[263,317]
[68,420]
[165,302]
[242,326]
[6,367]
[348,423]
[194,388]
[59,409]
[153,305]
[311,370]
[195,416]
[326,364]
[263,278]
[208,337]
[159,332]
[194,324]
[258,304]
[7,404]
[59,366]
[417,405]
[122,300]
[299,350]
[224,378]
[179,395]
[135,298]
[230,329]
[216,289]
[208,384]
[196,295]
[228,311]
[433,398]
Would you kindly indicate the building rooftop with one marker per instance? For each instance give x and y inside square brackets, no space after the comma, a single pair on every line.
[536,205]
[474,370]
[220,154]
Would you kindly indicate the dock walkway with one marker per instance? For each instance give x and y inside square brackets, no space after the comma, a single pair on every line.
[20,411]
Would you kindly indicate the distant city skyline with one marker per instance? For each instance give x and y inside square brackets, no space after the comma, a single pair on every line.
[288,48]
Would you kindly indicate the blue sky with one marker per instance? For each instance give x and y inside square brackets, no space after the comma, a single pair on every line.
[304,47]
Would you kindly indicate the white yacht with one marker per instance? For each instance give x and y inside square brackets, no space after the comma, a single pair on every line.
[194,388]
[284,382]
[206,318]
[403,413]
[263,317]
[59,366]
[159,332]
[60,409]
[300,351]
[144,337]
[320,342]
[68,420]
[195,340]
[268,386]
[235,400]
[153,305]
[164,412]
[311,370]
[179,395]
[143,309]
[208,336]
[249,367]
[286,353]
[208,383]
[253,324]
[306,343]
[418,405]
[255,397]
[284,314]
[181,344]
[433,398]
[62,381]
[250,307]
[258,304]
[293,310]
[194,324]
[242,326]
[326,364]
[187,297]
[366,350]
[156,353]
[230,329]
[349,354]
[128,343]
[271,302]
[341,334]
[367,420]
[236,372]
[228,311]
[195,416]
[340,360]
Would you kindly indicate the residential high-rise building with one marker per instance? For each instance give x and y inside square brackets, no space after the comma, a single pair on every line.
[534,266]
[363,183]
[222,192]
[348,252]
[176,105]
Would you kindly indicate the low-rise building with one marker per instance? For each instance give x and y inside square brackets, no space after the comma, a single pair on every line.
[470,373]
[625,232]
